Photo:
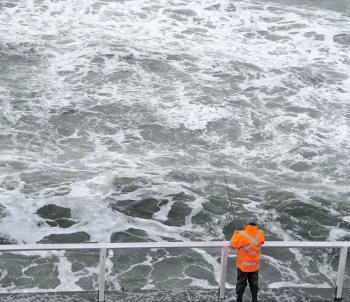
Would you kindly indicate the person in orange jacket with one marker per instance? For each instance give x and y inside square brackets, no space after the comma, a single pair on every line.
[248,243]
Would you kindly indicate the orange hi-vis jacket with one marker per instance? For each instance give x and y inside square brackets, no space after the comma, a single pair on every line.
[248,243]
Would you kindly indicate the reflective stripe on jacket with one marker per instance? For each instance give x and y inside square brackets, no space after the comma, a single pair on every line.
[248,243]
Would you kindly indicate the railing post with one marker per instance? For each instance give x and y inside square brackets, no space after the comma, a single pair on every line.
[341,272]
[223,270]
[102,276]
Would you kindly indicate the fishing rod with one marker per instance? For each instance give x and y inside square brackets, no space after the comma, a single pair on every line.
[228,194]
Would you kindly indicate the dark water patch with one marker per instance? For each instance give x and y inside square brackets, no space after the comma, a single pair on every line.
[10,4]
[275,102]
[86,263]
[213,7]
[129,58]
[272,19]
[182,176]
[290,127]
[273,37]
[39,180]
[9,184]
[98,60]
[180,266]
[52,211]
[88,282]
[93,78]
[180,137]
[287,27]
[3,211]
[343,39]
[310,111]
[308,154]
[246,70]
[301,166]
[27,271]
[61,191]
[173,57]
[274,197]
[144,208]
[77,237]
[68,122]
[165,69]
[129,189]
[14,164]
[57,216]
[194,30]
[170,267]
[316,75]
[62,223]
[178,213]
[127,183]
[20,53]
[138,275]
[198,272]
[225,129]
[156,66]
[123,260]
[182,196]
[308,221]
[4,239]
[73,148]
[130,235]
[121,76]
[217,205]
[203,218]
[309,5]
[230,7]
[315,35]
[111,117]
[107,109]
[183,11]
[36,273]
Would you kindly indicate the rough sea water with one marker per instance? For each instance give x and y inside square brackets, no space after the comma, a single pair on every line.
[118,117]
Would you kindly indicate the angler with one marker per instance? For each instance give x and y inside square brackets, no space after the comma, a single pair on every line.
[248,243]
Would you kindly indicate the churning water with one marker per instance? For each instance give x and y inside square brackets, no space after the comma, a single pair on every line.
[118,116]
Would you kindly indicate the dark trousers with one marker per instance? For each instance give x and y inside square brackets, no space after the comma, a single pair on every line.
[252,278]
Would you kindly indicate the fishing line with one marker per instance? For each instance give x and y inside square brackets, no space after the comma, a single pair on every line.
[228,194]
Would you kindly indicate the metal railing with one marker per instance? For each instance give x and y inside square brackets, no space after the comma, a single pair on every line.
[223,245]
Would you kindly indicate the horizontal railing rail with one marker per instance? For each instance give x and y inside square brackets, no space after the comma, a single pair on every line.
[343,246]
[185,244]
